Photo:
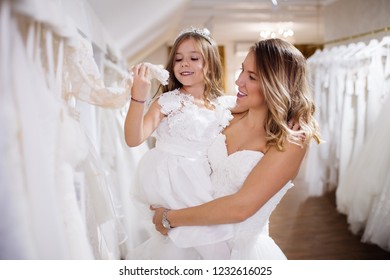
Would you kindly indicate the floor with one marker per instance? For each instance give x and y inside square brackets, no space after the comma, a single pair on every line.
[310,228]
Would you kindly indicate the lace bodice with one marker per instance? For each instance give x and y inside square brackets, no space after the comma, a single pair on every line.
[229,174]
[187,129]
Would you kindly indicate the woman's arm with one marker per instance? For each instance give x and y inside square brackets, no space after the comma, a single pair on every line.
[138,127]
[272,172]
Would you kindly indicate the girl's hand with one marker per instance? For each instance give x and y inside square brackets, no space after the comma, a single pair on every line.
[157,219]
[141,82]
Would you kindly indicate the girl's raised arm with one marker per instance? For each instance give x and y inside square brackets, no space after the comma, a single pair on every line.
[139,126]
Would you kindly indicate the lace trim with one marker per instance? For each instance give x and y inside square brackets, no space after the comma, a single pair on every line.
[182,112]
[173,101]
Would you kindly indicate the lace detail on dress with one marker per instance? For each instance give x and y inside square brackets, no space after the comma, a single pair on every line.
[232,171]
[229,173]
[223,114]
[187,120]
[172,101]
[83,80]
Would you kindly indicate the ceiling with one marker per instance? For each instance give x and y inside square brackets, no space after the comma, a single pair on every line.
[232,20]
[140,26]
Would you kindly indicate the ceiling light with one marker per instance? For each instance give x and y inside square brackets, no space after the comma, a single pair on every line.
[277,30]
[285,33]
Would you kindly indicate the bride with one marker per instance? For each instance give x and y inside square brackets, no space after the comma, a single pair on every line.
[257,156]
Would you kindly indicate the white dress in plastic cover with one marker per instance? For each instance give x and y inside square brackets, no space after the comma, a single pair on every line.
[176,174]
[251,239]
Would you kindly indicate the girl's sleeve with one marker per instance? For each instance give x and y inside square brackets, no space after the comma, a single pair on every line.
[227,101]
[170,101]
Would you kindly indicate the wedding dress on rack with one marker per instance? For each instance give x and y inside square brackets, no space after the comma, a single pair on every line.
[14,242]
[121,161]
[364,194]
[378,226]
[348,92]
[57,201]
[314,167]
[357,77]
[32,224]
[83,81]
[367,203]
[87,83]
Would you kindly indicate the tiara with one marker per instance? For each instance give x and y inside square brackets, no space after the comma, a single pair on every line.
[204,32]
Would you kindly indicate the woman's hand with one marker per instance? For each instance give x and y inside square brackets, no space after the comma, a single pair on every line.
[296,128]
[157,219]
[293,125]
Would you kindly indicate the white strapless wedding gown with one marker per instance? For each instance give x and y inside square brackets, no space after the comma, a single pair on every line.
[251,239]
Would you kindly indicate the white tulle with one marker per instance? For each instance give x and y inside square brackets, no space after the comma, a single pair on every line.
[176,174]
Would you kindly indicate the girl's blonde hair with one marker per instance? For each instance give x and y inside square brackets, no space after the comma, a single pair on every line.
[212,68]
[282,71]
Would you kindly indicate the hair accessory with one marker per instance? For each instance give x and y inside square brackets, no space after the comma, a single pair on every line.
[204,32]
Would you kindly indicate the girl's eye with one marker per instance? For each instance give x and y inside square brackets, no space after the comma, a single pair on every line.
[194,58]
[252,78]
[178,59]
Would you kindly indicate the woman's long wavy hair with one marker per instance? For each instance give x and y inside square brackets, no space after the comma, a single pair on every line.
[212,68]
[282,72]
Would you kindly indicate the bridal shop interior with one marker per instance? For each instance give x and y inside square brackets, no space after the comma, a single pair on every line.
[66,173]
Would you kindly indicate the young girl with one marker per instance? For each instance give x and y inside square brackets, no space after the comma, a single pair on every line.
[185,120]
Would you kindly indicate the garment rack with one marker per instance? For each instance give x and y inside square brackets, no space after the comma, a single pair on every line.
[353,37]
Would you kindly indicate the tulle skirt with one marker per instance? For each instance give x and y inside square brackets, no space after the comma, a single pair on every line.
[174,182]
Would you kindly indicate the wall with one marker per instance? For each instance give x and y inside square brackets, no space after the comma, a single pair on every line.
[346,18]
